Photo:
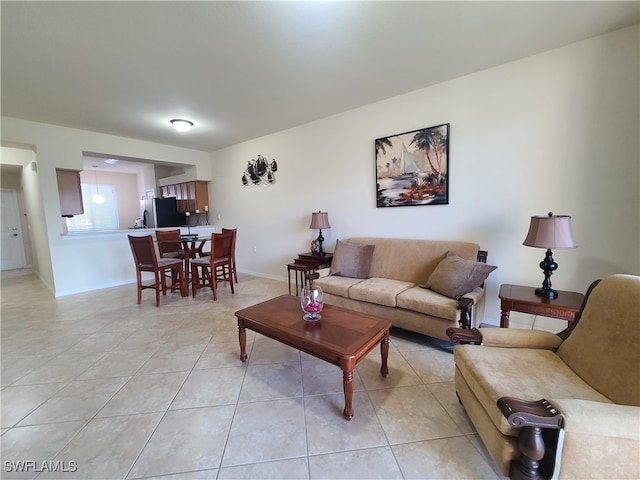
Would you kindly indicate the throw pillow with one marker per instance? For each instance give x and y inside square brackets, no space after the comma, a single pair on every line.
[351,260]
[454,276]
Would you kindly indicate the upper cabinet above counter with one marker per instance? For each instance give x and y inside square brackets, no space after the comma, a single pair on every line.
[191,196]
[69,192]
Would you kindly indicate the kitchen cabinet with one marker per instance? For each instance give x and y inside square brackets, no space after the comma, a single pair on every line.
[191,196]
[168,191]
[69,192]
[201,194]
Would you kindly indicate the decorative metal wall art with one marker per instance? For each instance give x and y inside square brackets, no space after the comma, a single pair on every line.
[260,171]
[413,168]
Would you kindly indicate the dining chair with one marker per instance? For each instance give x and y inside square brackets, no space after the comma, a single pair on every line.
[146,260]
[169,243]
[170,246]
[215,268]
[233,231]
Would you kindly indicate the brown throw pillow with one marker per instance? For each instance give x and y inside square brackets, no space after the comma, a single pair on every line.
[351,260]
[454,276]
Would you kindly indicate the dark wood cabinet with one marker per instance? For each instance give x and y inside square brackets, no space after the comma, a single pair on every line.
[191,196]
[69,192]
[201,195]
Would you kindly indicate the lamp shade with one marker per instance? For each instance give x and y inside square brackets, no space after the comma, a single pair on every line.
[319,220]
[550,231]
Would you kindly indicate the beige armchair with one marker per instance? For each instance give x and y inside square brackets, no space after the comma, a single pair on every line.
[561,406]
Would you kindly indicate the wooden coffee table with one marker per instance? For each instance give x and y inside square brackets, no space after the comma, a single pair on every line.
[341,337]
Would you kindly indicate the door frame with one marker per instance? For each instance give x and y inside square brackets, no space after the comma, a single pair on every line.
[14,203]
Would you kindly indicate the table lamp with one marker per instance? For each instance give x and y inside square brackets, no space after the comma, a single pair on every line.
[550,231]
[319,220]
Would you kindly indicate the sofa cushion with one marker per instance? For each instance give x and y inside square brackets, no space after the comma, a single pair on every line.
[494,372]
[454,276]
[351,260]
[411,260]
[428,302]
[335,285]
[381,291]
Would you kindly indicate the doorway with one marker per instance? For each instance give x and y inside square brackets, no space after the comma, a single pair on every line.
[11,240]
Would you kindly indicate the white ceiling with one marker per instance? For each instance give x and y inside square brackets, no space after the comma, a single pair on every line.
[240,70]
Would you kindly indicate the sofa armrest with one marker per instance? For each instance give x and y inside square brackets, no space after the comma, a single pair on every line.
[519,338]
[591,418]
[324,272]
[464,336]
[600,440]
[505,337]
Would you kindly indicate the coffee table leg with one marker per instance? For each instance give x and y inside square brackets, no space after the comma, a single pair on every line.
[384,351]
[347,381]
[242,337]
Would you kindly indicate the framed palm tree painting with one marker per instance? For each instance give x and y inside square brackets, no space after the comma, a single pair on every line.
[412,168]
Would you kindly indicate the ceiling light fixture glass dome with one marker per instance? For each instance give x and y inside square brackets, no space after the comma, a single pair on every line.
[181,125]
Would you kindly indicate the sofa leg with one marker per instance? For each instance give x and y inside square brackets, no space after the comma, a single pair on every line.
[465,305]
[532,449]
[532,417]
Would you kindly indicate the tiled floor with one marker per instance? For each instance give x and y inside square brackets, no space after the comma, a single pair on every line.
[97,384]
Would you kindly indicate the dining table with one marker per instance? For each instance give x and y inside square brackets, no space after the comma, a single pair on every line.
[193,246]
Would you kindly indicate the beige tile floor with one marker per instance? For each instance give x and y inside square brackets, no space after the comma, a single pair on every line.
[128,391]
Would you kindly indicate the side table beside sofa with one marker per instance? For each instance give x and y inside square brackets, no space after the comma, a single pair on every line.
[305,264]
[523,299]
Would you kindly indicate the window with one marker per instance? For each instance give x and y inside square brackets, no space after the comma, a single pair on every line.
[97,216]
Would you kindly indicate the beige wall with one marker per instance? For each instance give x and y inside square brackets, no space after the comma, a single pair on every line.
[553,132]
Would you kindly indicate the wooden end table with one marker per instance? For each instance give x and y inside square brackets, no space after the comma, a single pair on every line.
[523,299]
[303,269]
[341,337]
[318,259]
[305,264]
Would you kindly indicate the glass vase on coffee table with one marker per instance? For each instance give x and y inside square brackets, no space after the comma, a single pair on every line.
[311,302]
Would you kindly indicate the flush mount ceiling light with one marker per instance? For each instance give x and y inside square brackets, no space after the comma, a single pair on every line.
[181,125]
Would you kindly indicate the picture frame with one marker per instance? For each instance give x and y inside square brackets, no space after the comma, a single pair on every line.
[412,168]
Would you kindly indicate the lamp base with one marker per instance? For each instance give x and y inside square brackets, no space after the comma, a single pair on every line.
[546,292]
[548,266]
[320,240]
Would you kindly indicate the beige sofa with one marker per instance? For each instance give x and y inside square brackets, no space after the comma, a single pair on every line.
[391,288]
[589,376]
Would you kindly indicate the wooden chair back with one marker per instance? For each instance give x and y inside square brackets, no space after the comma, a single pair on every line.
[221,247]
[169,243]
[234,232]
[144,254]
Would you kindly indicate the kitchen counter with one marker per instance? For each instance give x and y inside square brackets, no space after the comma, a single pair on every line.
[139,232]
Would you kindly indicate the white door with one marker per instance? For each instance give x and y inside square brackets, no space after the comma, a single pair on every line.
[11,244]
